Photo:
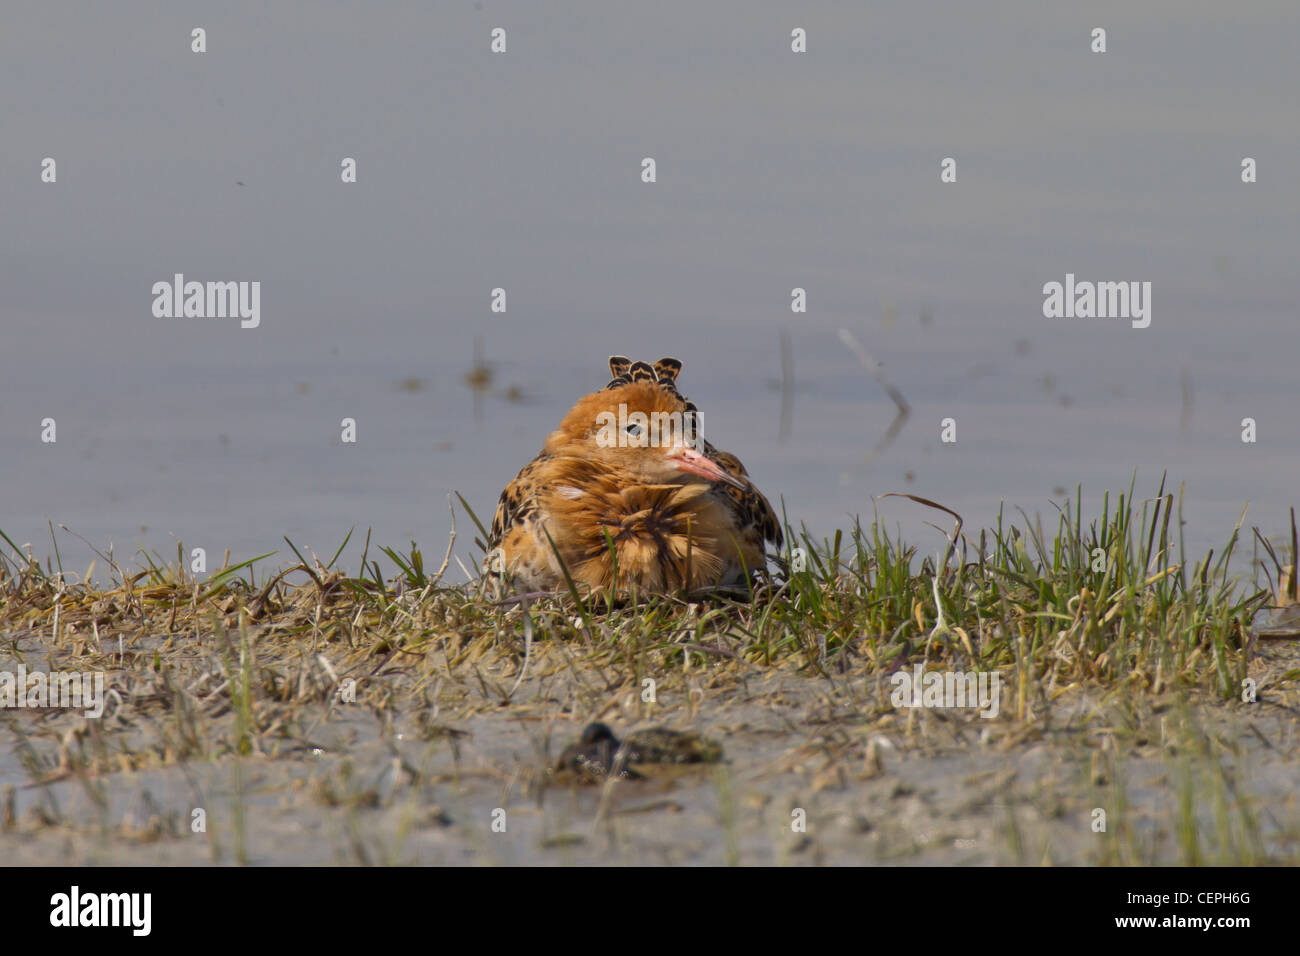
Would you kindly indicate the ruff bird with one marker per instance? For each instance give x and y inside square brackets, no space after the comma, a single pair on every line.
[626,494]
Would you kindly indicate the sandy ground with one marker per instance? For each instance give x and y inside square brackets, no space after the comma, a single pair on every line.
[817,769]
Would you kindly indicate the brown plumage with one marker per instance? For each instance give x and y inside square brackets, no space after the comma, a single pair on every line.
[626,466]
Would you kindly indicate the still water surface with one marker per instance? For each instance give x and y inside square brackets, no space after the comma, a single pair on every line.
[522,171]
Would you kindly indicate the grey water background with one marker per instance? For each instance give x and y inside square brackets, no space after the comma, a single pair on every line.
[522,170]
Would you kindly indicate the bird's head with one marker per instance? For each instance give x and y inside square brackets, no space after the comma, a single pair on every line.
[643,428]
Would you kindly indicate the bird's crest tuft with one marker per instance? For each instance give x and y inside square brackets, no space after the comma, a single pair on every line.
[663,373]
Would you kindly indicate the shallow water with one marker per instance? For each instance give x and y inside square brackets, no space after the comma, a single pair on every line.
[521,171]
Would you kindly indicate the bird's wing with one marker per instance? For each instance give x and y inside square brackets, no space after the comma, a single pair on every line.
[754,510]
[518,501]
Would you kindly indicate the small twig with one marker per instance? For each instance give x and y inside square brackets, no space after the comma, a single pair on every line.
[873,369]
[446,559]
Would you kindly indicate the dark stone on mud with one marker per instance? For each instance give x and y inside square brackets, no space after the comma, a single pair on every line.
[599,754]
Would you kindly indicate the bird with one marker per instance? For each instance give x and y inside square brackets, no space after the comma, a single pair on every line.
[626,494]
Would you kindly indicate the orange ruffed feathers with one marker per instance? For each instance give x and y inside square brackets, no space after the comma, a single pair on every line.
[626,494]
